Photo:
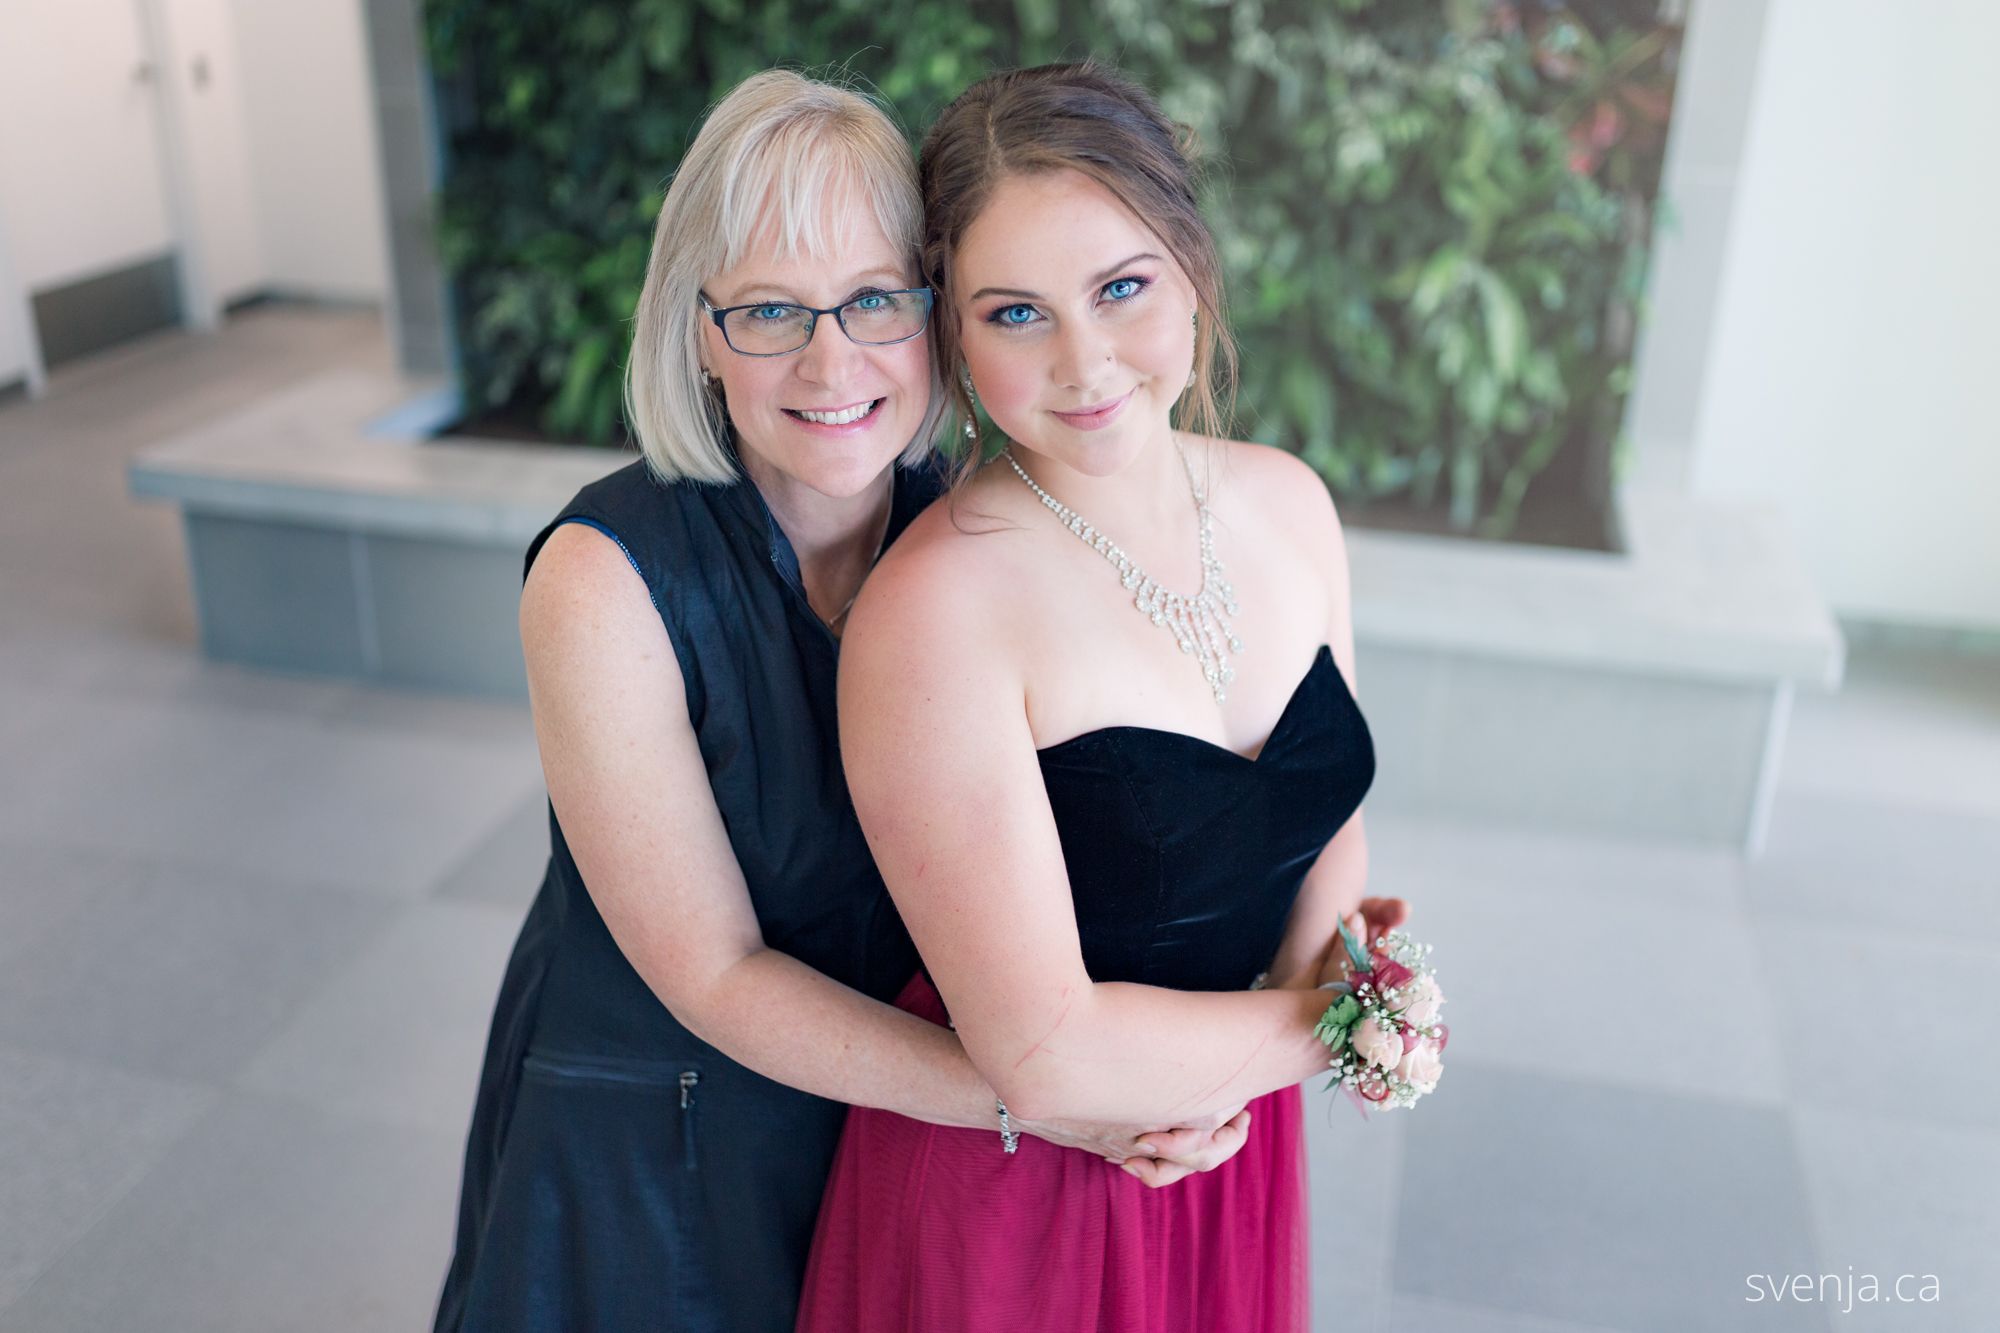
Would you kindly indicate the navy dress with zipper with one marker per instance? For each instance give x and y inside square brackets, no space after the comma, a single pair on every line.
[621,1174]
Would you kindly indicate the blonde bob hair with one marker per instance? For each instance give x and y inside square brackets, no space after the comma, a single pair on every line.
[770,161]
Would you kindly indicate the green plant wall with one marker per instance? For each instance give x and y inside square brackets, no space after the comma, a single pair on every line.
[1433,214]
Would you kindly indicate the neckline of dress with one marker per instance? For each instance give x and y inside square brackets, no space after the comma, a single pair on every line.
[1323,656]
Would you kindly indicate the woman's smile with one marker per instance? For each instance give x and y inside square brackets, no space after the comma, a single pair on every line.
[848,420]
[1097,416]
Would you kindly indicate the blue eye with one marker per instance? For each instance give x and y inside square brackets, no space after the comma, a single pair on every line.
[872,301]
[1124,289]
[769,311]
[1014,316]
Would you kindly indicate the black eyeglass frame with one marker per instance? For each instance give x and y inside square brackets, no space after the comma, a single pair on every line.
[930,303]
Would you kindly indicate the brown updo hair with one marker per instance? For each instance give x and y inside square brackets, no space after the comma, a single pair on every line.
[1084,117]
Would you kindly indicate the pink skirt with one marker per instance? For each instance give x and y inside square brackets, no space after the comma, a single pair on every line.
[926,1229]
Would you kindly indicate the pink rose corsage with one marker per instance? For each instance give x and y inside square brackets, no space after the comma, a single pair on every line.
[1382,1027]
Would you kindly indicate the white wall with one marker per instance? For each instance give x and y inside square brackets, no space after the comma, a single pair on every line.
[318,187]
[79,140]
[209,119]
[1854,350]
[239,133]
[17,355]
[1718,75]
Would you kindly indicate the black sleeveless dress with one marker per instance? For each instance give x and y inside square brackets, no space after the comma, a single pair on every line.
[620,1174]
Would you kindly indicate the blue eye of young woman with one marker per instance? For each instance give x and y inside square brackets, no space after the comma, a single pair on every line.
[1124,289]
[1014,316]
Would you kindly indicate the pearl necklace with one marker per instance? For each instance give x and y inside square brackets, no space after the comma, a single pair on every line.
[1198,623]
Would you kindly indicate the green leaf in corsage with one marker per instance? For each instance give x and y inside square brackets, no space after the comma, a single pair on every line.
[1336,1022]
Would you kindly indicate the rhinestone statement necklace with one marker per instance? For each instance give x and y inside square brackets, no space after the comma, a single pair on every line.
[1198,623]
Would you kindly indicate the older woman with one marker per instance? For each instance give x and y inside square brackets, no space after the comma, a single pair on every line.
[701,982]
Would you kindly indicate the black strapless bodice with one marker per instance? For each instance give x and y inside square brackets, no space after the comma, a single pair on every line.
[1184,857]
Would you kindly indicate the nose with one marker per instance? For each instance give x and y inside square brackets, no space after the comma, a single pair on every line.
[830,357]
[1083,353]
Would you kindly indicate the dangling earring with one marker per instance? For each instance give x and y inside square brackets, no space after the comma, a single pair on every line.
[972,418]
[1194,322]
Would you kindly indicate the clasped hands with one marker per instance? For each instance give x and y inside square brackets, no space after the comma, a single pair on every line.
[1165,1156]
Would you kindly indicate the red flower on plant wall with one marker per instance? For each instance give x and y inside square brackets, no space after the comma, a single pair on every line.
[1617,94]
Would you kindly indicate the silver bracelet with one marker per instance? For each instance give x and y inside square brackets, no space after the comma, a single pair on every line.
[1010,1138]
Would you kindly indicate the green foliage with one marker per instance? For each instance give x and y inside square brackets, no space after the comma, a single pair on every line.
[1338,1019]
[1433,216]
[1433,284]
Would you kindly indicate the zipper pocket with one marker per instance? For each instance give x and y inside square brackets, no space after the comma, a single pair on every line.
[689,1078]
[655,1079]
[589,1070]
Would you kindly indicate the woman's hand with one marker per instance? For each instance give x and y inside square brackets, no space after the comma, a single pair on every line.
[1182,1152]
[1157,1158]
[1369,922]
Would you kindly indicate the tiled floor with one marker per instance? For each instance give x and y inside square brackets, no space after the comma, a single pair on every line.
[250,928]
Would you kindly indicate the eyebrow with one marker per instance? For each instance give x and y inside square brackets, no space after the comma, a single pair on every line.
[790,298]
[1097,280]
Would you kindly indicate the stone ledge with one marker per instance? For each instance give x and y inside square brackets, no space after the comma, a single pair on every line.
[1706,589]
[1643,693]
[308,455]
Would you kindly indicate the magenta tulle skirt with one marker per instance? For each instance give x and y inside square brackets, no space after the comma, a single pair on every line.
[932,1230]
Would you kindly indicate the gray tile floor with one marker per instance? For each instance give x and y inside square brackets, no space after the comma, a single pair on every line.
[250,928]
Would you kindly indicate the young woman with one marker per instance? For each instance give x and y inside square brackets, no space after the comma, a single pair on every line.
[1085,810]
[708,961]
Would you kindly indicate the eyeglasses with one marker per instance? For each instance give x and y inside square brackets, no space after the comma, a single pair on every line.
[773,328]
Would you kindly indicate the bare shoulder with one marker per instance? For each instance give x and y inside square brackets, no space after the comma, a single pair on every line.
[584,603]
[1280,493]
[1280,484]
[936,602]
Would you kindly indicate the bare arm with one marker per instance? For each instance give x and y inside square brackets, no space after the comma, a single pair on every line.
[942,765]
[627,781]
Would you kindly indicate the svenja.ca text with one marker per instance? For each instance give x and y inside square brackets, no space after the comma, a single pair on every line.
[1863,1288]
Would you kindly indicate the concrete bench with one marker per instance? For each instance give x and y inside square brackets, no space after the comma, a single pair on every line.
[325,534]
[1644,692]
[1636,693]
